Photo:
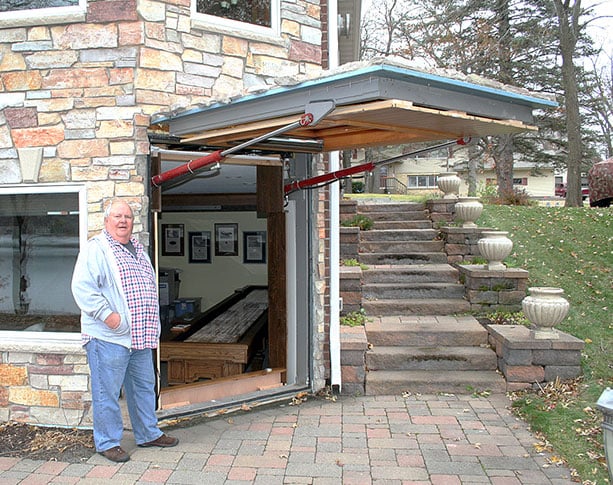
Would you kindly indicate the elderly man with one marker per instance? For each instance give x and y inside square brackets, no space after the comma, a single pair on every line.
[114,285]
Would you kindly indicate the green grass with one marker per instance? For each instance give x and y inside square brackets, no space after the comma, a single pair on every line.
[569,248]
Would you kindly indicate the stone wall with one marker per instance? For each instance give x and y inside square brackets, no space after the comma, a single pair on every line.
[78,96]
[76,103]
[44,380]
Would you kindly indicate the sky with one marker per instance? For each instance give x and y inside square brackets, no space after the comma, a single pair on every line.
[600,30]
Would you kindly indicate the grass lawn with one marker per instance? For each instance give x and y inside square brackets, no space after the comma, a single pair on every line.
[569,248]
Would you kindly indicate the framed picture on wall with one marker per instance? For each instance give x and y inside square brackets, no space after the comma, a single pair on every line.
[200,247]
[226,239]
[172,240]
[254,247]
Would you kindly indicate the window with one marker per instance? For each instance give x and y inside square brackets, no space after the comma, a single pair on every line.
[421,181]
[520,181]
[11,5]
[41,228]
[38,12]
[252,15]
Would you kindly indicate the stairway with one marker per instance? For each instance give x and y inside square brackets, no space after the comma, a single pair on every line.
[421,339]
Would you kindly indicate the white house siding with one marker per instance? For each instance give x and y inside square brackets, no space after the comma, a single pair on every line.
[83,92]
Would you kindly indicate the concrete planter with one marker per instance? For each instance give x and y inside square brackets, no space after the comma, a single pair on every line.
[468,210]
[449,184]
[495,246]
[545,307]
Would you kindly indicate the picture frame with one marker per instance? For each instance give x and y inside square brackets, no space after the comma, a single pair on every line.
[254,247]
[199,247]
[173,240]
[226,239]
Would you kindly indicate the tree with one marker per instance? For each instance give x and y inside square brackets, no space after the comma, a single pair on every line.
[516,43]
[568,24]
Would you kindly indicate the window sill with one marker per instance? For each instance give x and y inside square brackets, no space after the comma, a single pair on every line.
[41,342]
[268,36]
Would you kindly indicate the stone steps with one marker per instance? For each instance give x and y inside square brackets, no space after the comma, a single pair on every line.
[412,298]
[387,235]
[426,331]
[426,273]
[421,306]
[435,358]
[390,216]
[412,224]
[402,258]
[400,290]
[400,247]
[431,382]
[393,207]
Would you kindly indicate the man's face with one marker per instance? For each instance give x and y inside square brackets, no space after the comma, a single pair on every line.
[119,223]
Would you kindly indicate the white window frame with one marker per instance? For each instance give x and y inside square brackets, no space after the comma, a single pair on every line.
[235,27]
[52,189]
[417,186]
[40,16]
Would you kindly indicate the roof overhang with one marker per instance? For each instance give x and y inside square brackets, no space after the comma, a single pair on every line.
[380,104]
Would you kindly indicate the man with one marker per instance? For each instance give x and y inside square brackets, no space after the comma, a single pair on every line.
[115,287]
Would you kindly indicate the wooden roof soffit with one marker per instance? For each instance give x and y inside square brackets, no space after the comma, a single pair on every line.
[386,122]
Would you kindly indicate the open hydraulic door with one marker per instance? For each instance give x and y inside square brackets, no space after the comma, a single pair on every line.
[373,105]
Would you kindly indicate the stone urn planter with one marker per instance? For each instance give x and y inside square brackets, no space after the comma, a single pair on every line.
[495,246]
[449,184]
[468,210]
[545,307]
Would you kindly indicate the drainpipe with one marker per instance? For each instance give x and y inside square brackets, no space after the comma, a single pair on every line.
[334,191]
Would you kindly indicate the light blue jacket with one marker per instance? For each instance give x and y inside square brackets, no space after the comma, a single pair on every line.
[96,288]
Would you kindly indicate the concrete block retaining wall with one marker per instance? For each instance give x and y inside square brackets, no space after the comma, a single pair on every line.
[526,361]
[350,288]
[353,363]
[489,291]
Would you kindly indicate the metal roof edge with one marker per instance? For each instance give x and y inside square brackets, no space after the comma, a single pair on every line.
[380,69]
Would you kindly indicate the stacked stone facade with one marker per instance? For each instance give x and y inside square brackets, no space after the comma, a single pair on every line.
[44,386]
[77,100]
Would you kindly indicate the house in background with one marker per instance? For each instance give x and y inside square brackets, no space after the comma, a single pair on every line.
[99,98]
[418,174]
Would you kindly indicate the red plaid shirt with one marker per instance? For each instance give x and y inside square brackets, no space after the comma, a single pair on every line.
[140,287]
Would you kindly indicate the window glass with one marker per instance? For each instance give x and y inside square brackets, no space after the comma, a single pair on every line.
[39,244]
[421,181]
[256,12]
[11,5]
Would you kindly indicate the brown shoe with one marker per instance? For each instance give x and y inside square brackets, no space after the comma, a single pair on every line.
[116,454]
[163,441]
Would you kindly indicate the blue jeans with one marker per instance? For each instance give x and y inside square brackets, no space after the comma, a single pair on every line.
[112,366]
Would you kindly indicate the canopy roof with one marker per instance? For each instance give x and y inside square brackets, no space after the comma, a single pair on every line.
[382,102]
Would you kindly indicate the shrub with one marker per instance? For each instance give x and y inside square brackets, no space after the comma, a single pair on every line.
[353,262]
[517,196]
[357,187]
[508,318]
[354,319]
[359,220]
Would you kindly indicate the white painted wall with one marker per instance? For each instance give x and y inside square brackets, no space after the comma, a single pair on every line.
[213,282]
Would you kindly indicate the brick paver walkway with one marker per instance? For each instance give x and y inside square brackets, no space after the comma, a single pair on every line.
[441,440]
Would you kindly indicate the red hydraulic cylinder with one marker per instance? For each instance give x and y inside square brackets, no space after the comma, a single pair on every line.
[327,177]
[186,168]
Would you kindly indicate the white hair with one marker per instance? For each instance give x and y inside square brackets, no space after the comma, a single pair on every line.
[107,211]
